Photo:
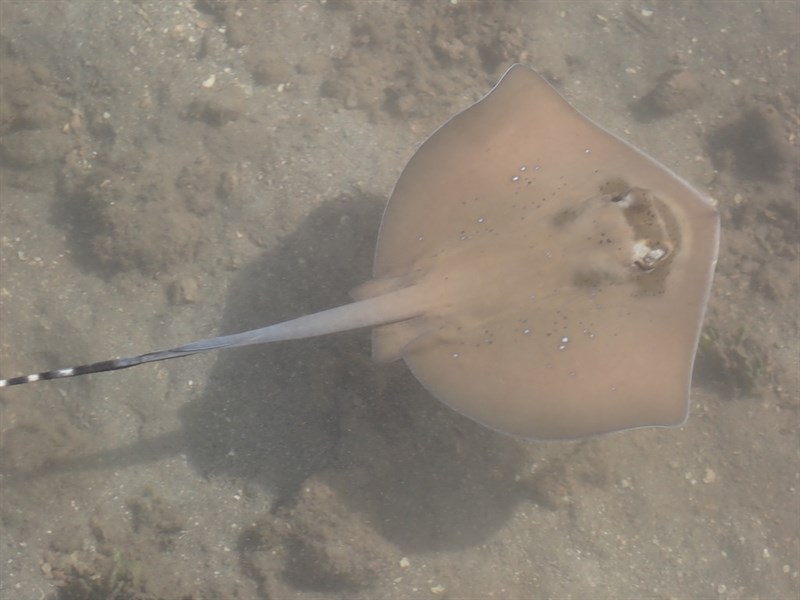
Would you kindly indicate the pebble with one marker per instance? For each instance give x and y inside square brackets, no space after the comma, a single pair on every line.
[710,476]
[183,291]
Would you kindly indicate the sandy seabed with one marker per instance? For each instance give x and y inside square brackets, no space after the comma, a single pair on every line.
[169,170]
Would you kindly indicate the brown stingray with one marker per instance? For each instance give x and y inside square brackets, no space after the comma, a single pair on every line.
[537,274]
[564,273]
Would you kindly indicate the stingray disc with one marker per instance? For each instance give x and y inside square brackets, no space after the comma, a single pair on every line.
[563,273]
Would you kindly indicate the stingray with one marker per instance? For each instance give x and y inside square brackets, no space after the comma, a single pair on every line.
[536,273]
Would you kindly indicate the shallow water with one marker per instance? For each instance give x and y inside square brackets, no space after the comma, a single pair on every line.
[173,170]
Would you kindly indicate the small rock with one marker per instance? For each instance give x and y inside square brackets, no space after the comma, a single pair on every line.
[228,182]
[267,68]
[675,90]
[315,64]
[710,476]
[183,291]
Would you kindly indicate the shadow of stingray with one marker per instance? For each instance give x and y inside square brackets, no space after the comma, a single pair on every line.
[424,476]
[269,413]
[421,475]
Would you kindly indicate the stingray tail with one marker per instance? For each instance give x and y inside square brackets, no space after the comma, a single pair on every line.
[389,308]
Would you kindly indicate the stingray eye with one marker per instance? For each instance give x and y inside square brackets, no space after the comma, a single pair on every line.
[623,199]
[647,255]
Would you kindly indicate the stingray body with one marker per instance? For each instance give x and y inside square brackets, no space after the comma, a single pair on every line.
[536,273]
